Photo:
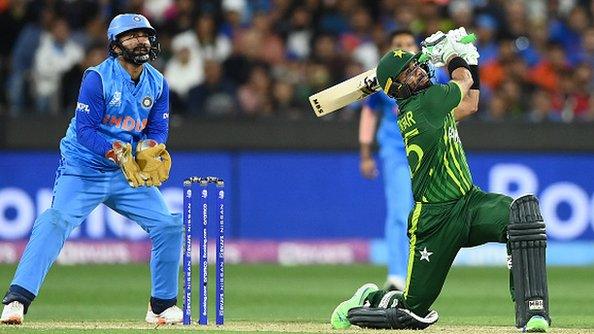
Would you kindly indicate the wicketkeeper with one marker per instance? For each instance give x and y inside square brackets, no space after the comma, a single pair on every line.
[449,212]
[113,153]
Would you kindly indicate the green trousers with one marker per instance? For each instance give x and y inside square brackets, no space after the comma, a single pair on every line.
[438,231]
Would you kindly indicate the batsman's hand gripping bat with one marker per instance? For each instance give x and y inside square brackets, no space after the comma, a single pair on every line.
[354,89]
[359,87]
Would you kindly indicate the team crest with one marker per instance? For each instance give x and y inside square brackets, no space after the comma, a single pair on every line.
[147,102]
[137,18]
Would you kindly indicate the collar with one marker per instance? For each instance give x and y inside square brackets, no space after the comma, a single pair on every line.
[125,75]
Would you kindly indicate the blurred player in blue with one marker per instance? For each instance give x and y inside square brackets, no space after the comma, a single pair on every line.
[396,174]
[113,153]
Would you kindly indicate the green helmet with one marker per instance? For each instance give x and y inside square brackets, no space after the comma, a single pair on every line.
[388,69]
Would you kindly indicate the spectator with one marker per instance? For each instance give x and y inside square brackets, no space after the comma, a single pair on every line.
[254,98]
[568,33]
[56,55]
[541,108]
[71,79]
[546,73]
[22,61]
[215,96]
[285,105]
[210,43]
[274,51]
[487,32]
[185,70]
[359,41]
[300,34]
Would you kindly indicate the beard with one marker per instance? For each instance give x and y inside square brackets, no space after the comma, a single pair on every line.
[139,55]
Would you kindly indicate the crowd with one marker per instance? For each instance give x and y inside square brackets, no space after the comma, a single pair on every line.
[263,58]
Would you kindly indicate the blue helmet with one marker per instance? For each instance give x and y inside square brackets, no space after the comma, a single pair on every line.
[127,22]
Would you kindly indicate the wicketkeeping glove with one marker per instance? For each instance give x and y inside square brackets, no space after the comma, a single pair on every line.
[154,161]
[121,154]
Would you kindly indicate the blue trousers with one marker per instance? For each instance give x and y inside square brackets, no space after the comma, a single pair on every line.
[77,191]
[399,202]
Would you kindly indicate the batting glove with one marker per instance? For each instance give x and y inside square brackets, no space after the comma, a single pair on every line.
[432,47]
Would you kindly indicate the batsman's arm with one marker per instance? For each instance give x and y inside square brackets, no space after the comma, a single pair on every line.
[461,75]
[90,108]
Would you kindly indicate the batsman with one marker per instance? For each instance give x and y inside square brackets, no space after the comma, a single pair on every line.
[450,212]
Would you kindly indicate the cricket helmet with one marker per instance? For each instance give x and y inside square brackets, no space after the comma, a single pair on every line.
[391,65]
[127,22]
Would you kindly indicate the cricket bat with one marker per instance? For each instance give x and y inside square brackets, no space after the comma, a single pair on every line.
[354,89]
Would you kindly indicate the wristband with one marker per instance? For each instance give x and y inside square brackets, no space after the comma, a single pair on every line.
[456,63]
[474,71]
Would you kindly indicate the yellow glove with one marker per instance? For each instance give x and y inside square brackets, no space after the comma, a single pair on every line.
[154,161]
[121,154]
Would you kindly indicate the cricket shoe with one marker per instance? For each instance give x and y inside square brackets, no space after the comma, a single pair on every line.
[339,319]
[536,324]
[172,315]
[13,313]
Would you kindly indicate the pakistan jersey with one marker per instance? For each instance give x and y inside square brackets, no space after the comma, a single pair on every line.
[435,155]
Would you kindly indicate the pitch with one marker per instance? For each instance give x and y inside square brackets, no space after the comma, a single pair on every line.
[296,299]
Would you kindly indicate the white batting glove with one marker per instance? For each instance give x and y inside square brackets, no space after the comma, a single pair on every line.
[470,54]
[432,47]
[467,51]
[457,34]
[451,47]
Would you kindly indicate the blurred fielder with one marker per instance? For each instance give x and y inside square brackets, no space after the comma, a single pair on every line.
[396,175]
[449,211]
[123,107]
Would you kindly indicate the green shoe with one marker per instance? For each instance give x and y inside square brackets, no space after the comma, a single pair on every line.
[537,324]
[339,318]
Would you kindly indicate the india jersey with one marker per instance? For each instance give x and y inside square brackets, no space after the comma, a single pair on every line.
[111,106]
[387,136]
[437,162]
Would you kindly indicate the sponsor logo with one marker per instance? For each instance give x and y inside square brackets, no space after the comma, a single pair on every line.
[83,107]
[137,18]
[536,304]
[116,100]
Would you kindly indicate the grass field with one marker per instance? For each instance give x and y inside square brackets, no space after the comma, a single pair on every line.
[300,299]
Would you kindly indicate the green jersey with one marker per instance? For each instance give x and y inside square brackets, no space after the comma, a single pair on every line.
[436,159]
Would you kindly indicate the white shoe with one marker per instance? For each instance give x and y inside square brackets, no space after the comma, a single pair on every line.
[172,315]
[13,313]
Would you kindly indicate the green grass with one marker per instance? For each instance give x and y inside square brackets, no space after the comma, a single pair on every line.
[291,299]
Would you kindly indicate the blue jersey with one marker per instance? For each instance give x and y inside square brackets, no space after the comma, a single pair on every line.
[111,106]
[388,135]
